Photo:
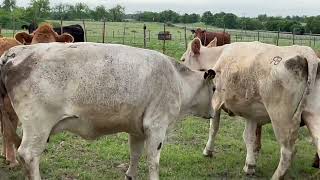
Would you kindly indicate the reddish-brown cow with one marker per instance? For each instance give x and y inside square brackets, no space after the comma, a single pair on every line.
[206,37]
[9,119]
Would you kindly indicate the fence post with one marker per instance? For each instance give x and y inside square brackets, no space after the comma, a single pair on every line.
[293,32]
[112,34]
[185,37]
[310,39]
[0,29]
[258,35]
[14,26]
[149,35]
[164,39]
[144,36]
[61,28]
[314,38]
[85,30]
[124,33]
[278,36]
[103,29]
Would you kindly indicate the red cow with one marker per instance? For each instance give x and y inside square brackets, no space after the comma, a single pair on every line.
[206,37]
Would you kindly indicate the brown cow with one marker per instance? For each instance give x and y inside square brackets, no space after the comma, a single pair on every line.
[206,37]
[9,119]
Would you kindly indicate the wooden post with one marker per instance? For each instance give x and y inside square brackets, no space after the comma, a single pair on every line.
[85,30]
[61,28]
[144,36]
[164,39]
[113,34]
[314,39]
[14,27]
[278,37]
[124,33]
[293,32]
[185,37]
[310,42]
[258,35]
[104,30]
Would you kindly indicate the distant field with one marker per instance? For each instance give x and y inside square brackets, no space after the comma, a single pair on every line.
[70,157]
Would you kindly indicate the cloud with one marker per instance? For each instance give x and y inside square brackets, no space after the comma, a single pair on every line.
[239,7]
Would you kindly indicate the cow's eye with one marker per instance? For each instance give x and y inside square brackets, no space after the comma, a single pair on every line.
[202,69]
[183,59]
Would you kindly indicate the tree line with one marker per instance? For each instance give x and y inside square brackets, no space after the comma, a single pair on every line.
[40,10]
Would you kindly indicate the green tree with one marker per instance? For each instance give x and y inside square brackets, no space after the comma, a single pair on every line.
[116,14]
[40,8]
[207,18]
[100,13]
[9,5]
[230,21]
[169,16]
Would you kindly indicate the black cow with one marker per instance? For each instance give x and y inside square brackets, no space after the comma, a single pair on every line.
[75,30]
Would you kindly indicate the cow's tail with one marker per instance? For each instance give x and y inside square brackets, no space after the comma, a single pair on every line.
[312,64]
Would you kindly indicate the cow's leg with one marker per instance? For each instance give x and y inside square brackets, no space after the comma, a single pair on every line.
[249,137]
[9,135]
[257,146]
[155,129]
[213,130]
[286,131]
[136,148]
[312,120]
[35,134]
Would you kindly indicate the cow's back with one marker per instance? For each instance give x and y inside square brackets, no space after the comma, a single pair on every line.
[252,74]
[87,79]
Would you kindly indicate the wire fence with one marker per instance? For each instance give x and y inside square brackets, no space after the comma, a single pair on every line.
[146,35]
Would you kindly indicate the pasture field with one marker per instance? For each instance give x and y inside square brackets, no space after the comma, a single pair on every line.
[69,157]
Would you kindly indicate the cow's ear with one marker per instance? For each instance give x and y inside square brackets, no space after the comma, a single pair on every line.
[203,31]
[209,75]
[65,37]
[213,43]
[24,38]
[195,46]
[193,31]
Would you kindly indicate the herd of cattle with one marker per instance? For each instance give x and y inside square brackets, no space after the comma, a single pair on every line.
[93,89]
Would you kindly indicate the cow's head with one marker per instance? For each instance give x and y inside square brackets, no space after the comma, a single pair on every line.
[43,34]
[194,54]
[198,32]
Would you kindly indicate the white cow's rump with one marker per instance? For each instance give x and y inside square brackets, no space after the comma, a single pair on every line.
[261,83]
[97,89]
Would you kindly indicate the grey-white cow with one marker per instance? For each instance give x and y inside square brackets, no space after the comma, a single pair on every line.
[262,83]
[97,89]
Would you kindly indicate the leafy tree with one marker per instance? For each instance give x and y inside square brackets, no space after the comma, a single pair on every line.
[9,5]
[100,13]
[207,18]
[116,13]
[40,8]
[169,16]
[230,21]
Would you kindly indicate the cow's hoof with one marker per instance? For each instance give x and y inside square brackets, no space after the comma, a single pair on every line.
[207,153]
[127,177]
[249,169]
[13,164]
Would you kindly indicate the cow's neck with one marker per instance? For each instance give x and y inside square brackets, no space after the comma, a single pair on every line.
[209,56]
[190,88]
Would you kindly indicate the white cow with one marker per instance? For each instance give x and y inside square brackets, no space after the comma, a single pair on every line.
[96,89]
[262,83]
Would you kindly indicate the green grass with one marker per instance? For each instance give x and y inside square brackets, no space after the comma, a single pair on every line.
[70,157]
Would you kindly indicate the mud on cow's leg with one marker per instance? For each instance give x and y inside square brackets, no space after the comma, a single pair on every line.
[136,148]
[249,137]
[312,121]
[286,137]
[257,147]
[155,131]
[213,130]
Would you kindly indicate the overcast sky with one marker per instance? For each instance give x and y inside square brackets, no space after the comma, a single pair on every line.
[239,7]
